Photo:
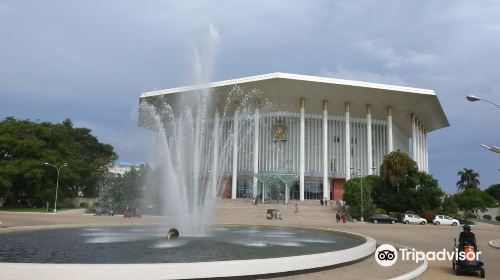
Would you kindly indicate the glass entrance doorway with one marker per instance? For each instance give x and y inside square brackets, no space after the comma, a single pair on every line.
[277,192]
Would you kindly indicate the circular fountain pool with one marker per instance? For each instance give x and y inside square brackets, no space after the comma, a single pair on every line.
[149,245]
[133,252]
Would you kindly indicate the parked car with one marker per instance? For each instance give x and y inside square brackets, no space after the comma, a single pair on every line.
[132,212]
[414,219]
[445,220]
[99,211]
[382,218]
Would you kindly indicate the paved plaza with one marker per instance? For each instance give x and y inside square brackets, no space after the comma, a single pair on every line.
[423,238]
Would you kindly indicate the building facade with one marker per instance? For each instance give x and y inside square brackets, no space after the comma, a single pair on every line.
[313,135]
[120,168]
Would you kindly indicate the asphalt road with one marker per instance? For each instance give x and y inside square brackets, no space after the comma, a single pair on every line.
[421,237]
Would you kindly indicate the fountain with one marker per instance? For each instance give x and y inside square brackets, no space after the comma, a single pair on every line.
[190,182]
[187,186]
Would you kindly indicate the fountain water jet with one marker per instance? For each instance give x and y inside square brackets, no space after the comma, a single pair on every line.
[190,180]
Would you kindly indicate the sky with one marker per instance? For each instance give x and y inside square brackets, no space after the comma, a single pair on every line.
[90,61]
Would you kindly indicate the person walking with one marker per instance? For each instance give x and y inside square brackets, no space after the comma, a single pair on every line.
[344,217]
[337,216]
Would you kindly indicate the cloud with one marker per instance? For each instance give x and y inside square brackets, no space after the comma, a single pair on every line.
[90,61]
[341,72]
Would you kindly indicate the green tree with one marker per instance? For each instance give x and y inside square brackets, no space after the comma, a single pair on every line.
[26,145]
[428,195]
[473,200]
[402,187]
[352,195]
[396,168]
[122,191]
[468,180]
[494,191]
[449,206]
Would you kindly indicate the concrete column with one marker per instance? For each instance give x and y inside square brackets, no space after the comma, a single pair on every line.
[325,150]
[417,138]
[302,147]
[235,150]
[369,138]
[413,138]
[256,123]
[347,143]
[390,147]
[215,156]
[421,146]
[426,151]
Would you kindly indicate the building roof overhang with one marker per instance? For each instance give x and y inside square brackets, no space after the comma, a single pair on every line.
[286,89]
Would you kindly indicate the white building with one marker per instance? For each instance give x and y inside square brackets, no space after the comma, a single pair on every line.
[120,168]
[333,128]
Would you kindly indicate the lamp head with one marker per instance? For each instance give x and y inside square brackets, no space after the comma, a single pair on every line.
[472,98]
[46,163]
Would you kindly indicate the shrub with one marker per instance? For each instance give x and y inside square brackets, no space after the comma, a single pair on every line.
[65,205]
[84,205]
[497,218]
[380,211]
[487,217]
[429,216]
[469,215]
[397,215]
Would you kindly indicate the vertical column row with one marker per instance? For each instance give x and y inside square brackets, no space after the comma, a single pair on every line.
[426,153]
[215,156]
[256,122]
[347,143]
[325,150]
[413,138]
[235,150]
[389,130]
[302,147]
[420,152]
[418,137]
[369,138]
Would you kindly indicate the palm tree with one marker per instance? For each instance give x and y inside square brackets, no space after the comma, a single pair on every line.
[468,180]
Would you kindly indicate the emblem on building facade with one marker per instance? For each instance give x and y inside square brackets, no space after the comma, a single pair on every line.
[280,130]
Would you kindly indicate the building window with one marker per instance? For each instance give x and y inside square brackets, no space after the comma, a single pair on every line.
[244,188]
[313,190]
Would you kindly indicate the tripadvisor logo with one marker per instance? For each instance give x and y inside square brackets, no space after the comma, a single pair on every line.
[387,255]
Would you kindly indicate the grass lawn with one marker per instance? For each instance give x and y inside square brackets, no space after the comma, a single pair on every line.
[39,210]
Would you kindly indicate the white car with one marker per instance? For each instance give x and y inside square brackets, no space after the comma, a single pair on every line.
[445,220]
[414,219]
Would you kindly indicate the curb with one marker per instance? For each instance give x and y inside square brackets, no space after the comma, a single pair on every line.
[491,243]
[414,273]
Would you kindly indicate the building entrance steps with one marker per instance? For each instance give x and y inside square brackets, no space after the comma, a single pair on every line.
[244,210]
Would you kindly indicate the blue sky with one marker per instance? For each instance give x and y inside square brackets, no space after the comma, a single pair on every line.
[90,60]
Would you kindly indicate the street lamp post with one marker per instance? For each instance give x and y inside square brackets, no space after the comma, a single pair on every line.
[361,178]
[362,219]
[473,98]
[57,181]
[492,148]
